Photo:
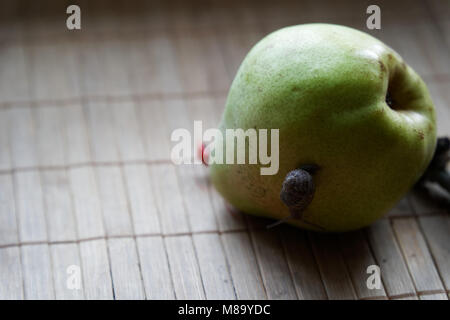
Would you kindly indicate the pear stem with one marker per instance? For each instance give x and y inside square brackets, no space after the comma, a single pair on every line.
[443,178]
[437,172]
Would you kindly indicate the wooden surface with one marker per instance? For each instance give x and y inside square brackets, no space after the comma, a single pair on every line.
[86,177]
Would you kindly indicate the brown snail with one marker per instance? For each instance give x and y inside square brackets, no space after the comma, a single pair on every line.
[297,191]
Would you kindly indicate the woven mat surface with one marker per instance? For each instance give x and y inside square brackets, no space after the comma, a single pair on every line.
[86,181]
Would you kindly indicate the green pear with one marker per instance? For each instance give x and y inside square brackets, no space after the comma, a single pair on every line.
[348,108]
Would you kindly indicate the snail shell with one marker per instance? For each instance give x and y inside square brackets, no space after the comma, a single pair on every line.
[298,190]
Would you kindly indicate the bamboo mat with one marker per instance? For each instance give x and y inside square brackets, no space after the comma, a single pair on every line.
[85,175]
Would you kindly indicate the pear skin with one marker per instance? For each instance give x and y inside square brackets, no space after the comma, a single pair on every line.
[343,101]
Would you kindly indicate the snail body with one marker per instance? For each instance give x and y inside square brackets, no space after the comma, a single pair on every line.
[297,191]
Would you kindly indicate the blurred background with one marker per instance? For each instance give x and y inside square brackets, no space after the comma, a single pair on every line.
[86,178]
